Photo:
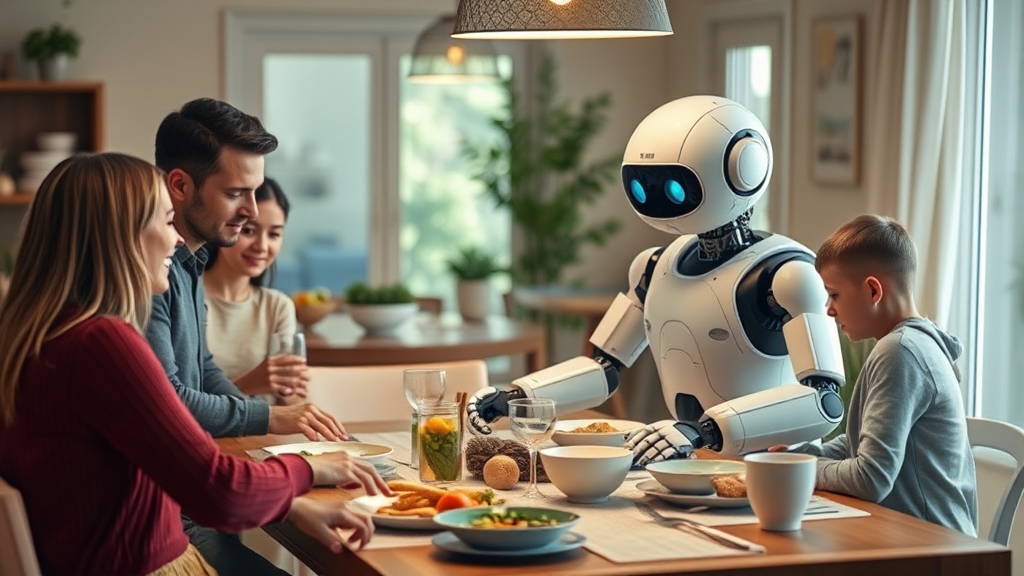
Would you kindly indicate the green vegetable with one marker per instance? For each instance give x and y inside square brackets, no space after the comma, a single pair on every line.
[442,454]
[306,453]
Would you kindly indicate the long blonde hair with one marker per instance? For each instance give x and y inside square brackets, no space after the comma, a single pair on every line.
[80,247]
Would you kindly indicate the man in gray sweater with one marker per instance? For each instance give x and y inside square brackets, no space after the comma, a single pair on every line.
[906,444]
[213,157]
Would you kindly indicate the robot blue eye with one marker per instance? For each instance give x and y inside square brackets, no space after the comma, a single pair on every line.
[638,191]
[674,191]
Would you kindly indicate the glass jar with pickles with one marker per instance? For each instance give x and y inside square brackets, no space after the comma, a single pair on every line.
[440,442]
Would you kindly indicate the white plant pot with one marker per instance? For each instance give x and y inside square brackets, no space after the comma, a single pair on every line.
[54,69]
[474,298]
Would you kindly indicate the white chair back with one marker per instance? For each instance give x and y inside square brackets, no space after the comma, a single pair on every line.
[375,393]
[999,460]
[17,553]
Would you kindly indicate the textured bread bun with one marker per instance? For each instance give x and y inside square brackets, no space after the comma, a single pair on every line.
[501,472]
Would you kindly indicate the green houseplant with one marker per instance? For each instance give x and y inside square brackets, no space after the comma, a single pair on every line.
[51,48]
[535,168]
[472,269]
[380,309]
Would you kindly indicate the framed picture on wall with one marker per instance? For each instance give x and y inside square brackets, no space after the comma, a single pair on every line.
[836,125]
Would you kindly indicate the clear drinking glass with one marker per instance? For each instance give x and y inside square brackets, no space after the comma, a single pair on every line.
[440,442]
[287,344]
[532,421]
[421,386]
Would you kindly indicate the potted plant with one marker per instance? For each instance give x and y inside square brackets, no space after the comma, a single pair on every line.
[536,168]
[472,269]
[51,48]
[381,309]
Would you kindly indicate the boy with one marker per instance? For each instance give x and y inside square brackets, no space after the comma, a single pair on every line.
[906,444]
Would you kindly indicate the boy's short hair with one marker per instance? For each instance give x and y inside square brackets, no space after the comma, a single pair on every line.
[191,139]
[874,245]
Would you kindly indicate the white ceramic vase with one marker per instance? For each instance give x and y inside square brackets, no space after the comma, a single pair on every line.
[474,297]
[54,69]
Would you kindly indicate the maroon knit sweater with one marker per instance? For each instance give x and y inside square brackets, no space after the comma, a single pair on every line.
[106,457]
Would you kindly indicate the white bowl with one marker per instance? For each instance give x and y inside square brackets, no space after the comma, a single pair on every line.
[693,476]
[57,141]
[586,474]
[564,435]
[382,318]
[41,162]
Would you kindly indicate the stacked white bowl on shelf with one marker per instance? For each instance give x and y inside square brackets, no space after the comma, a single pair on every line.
[54,148]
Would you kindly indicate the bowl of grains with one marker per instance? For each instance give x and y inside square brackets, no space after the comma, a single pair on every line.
[602,432]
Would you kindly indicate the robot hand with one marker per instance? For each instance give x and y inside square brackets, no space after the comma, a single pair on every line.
[662,440]
[488,405]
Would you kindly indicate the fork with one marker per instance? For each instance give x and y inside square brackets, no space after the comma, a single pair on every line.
[708,532]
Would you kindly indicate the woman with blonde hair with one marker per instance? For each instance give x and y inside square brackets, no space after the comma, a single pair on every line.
[92,434]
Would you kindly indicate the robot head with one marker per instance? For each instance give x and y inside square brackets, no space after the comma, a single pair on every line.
[696,164]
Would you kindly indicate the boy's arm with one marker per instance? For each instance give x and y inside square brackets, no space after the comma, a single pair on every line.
[220,414]
[895,397]
[834,449]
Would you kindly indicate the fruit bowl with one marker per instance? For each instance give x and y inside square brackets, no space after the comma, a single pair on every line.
[381,319]
[310,314]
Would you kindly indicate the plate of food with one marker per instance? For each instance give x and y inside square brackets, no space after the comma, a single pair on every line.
[370,452]
[415,504]
[654,488]
[601,432]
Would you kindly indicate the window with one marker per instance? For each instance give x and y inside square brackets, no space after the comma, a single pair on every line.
[371,163]
[999,392]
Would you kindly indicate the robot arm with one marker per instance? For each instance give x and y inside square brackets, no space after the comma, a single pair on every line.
[780,415]
[580,382]
[792,413]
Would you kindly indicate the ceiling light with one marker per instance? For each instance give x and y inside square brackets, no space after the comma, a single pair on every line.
[561,19]
[437,57]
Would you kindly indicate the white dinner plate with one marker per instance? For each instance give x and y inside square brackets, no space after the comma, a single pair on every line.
[370,452]
[449,542]
[370,505]
[653,488]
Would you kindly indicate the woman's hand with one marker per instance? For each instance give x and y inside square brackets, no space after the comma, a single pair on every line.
[347,471]
[322,519]
[287,375]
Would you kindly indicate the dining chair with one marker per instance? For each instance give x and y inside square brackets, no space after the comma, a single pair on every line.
[376,394]
[1000,481]
[17,553]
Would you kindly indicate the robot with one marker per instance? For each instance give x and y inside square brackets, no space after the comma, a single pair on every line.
[736,318]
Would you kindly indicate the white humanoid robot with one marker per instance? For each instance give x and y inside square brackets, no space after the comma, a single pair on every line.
[736,318]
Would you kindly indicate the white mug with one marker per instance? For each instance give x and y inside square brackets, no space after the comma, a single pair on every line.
[779,487]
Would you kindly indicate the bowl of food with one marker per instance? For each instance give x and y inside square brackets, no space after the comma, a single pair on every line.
[693,476]
[604,432]
[507,527]
[587,474]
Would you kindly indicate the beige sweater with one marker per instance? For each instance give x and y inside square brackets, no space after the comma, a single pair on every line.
[238,333]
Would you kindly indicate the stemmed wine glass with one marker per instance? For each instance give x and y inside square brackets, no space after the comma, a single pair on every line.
[532,421]
[422,386]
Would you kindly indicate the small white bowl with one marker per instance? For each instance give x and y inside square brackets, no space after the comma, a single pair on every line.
[57,141]
[381,319]
[586,474]
[42,162]
[564,435]
[693,476]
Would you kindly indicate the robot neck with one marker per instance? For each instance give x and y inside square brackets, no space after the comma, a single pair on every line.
[725,241]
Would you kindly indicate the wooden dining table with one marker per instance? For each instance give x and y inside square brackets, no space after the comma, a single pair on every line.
[884,543]
[338,341]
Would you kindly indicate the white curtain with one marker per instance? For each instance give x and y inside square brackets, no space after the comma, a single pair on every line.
[915,133]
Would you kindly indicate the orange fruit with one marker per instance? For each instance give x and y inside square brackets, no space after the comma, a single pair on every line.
[453,500]
[439,425]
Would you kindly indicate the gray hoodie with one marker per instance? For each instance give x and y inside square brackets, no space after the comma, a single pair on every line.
[906,444]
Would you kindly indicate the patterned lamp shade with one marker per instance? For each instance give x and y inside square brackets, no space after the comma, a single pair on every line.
[561,19]
[439,58]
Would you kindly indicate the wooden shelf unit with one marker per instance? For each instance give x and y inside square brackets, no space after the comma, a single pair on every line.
[28,108]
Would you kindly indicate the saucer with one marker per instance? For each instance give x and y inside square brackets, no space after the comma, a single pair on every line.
[449,542]
[653,488]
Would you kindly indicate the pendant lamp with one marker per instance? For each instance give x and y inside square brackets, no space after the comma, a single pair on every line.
[561,19]
[439,58]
